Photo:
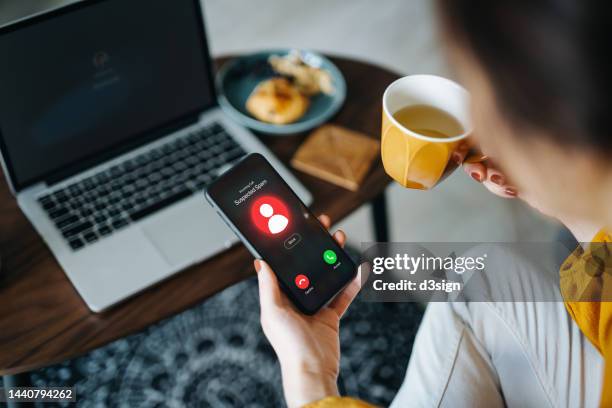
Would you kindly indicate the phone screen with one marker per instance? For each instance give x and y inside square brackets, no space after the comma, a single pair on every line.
[274,223]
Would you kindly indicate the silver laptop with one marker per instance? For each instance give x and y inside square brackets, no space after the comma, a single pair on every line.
[109,132]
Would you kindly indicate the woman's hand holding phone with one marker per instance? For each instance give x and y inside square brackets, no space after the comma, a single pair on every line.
[308,347]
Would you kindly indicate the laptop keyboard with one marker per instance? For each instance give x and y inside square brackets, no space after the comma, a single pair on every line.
[95,207]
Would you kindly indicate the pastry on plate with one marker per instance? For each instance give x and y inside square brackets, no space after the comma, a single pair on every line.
[277,101]
[309,80]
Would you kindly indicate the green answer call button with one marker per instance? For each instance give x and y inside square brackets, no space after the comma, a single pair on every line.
[330,257]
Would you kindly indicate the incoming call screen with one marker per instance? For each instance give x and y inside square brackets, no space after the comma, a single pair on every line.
[262,207]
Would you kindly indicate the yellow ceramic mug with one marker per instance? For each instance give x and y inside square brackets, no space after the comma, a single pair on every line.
[415,160]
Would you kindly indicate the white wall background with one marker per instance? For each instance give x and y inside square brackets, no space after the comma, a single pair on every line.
[397,34]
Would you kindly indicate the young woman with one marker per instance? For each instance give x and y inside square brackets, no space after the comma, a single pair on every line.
[539,75]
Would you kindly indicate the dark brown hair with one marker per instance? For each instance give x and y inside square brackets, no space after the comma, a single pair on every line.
[548,62]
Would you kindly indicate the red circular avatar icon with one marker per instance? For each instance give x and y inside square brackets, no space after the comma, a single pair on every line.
[270,215]
[302,281]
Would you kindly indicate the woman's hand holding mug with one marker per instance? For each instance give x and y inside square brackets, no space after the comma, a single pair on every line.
[485,172]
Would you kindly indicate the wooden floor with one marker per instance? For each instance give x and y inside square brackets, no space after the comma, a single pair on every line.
[399,34]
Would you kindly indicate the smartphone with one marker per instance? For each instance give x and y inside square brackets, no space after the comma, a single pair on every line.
[276,226]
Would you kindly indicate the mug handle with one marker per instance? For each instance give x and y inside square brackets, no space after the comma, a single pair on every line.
[474,155]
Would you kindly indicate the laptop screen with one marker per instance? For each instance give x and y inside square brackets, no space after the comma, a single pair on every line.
[89,78]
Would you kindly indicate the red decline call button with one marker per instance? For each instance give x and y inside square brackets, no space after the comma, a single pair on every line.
[302,281]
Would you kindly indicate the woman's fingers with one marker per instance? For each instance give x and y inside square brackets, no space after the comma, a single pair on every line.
[340,237]
[458,155]
[477,171]
[504,191]
[495,177]
[346,297]
[496,183]
[270,294]
[325,220]
[491,178]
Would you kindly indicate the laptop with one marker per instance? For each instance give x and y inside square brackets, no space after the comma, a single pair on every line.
[109,132]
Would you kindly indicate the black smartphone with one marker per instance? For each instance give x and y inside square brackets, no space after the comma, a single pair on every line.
[276,226]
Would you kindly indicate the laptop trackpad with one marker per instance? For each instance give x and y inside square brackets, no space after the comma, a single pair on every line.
[188,232]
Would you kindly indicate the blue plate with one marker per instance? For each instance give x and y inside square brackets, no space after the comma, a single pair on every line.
[238,77]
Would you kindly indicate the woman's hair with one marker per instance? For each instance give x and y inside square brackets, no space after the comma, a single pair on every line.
[548,62]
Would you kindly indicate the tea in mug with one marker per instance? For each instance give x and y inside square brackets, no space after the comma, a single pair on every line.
[428,121]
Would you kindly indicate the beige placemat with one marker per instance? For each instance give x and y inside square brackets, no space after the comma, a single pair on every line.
[337,155]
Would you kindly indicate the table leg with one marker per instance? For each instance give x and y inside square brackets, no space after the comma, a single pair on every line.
[17,380]
[380,218]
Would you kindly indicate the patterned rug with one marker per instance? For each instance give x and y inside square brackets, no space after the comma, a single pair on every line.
[215,355]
